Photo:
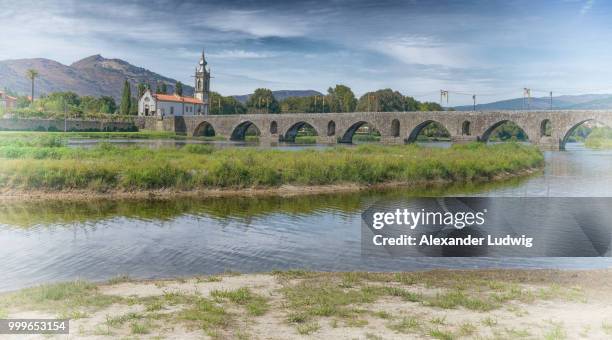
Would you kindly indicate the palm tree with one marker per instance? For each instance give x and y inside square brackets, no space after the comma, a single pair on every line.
[32,74]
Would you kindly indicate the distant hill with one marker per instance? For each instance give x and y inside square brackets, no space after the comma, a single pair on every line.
[94,75]
[584,101]
[282,94]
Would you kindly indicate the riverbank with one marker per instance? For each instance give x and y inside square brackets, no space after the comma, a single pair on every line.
[440,304]
[48,168]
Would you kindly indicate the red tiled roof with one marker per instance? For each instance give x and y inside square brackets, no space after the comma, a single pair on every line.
[177,98]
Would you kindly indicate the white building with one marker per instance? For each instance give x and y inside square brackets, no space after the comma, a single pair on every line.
[159,104]
[170,105]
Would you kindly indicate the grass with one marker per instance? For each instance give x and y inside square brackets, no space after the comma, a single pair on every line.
[65,297]
[254,304]
[406,325]
[48,165]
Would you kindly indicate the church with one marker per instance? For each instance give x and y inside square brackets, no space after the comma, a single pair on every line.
[161,104]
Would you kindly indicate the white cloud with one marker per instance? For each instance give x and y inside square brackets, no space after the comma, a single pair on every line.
[241,54]
[423,51]
[587,7]
[257,23]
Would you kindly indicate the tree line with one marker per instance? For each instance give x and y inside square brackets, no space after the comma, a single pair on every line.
[338,99]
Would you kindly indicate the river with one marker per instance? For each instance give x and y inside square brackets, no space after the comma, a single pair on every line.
[56,241]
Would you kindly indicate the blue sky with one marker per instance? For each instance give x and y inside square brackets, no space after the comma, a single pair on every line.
[491,48]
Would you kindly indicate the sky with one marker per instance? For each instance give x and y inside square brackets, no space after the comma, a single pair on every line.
[492,49]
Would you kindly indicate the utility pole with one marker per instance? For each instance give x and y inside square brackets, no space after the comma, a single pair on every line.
[474,98]
[65,116]
[527,96]
[551,100]
[220,106]
[443,94]
[323,108]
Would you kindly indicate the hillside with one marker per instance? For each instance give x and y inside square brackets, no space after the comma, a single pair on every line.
[94,75]
[566,102]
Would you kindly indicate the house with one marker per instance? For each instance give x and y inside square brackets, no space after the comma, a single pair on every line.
[7,102]
[151,104]
[159,104]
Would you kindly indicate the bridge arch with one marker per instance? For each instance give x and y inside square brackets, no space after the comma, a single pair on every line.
[273,127]
[414,134]
[487,134]
[573,127]
[395,128]
[546,128]
[239,132]
[331,128]
[293,131]
[204,129]
[466,128]
[347,137]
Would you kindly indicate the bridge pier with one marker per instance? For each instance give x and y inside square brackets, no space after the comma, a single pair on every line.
[389,140]
[327,140]
[464,139]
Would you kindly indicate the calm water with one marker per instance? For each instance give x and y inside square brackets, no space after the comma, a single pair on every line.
[55,241]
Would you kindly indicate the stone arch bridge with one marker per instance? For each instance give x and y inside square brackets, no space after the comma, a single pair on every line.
[547,129]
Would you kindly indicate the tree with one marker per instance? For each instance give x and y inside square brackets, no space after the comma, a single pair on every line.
[178,89]
[32,74]
[385,100]
[107,104]
[263,101]
[142,88]
[220,105]
[161,87]
[341,99]
[126,99]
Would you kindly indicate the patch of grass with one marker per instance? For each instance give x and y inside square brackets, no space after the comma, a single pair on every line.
[457,298]
[119,279]
[517,333]
[606,327]
[437,333]
[383,314]
[192,167]
[118,321]
[467,329]
[406,325]
[139,328]
[556,333]
[59,296]
[438,320]
[308,328]
[208,315]
[489,321]
[255,305]
[355,322]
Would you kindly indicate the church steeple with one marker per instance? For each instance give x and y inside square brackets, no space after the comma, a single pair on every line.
[202,80]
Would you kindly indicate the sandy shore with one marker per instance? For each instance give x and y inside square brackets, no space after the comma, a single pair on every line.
[479,304]
[15,195]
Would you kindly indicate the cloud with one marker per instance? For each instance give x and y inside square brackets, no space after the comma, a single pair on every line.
[586,7]
[423,51]
[257,23]
[241,54]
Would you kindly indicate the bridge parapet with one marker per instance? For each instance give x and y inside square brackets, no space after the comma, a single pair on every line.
[547,129]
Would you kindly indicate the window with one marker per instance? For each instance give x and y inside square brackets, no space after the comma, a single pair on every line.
[171,110]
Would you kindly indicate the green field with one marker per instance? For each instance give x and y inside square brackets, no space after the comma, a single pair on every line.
[44,162]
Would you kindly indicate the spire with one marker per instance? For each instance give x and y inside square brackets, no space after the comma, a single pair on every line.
[203,59]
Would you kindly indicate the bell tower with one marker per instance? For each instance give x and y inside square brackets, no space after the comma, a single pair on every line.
[202,80]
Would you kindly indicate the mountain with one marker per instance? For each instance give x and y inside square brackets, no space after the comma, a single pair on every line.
[94,76]
[282,94]
[565,102]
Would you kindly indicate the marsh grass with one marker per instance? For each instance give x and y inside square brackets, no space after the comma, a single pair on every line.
[107,167]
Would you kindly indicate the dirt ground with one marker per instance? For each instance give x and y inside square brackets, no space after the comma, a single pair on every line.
[479,304]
